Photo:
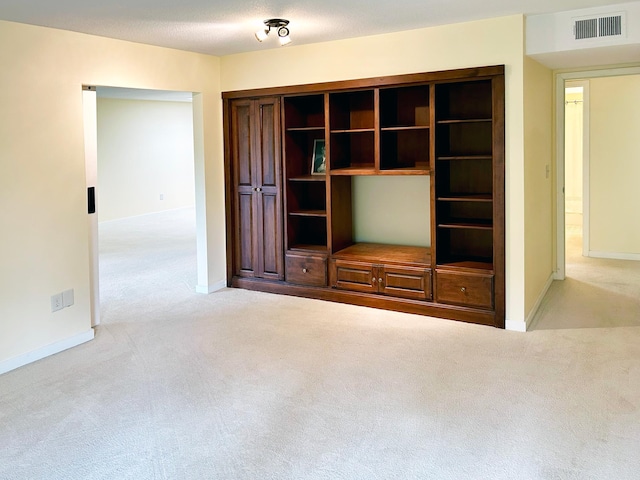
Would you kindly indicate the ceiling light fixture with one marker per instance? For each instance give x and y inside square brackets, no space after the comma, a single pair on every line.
[282,29]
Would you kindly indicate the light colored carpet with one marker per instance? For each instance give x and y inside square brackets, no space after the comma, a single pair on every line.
[246,385]
[596,292]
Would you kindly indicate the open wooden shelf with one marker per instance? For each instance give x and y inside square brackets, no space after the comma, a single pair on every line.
[309,213]
[308,248]
[309,178]
[376,252]
[480,263]
[471,197]
[470,224]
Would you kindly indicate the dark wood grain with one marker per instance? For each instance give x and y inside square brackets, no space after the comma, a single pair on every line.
[464,288]
[449,125]
[306,270]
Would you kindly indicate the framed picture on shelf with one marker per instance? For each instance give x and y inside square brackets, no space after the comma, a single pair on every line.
[319,159]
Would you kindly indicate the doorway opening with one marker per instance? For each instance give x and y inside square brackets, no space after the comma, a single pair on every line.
[576,168]
[144,159]
[597,233]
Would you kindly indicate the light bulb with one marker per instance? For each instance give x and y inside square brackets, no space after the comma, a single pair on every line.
[261,35]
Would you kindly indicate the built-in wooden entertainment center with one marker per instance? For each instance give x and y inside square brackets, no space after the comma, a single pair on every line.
[290,229]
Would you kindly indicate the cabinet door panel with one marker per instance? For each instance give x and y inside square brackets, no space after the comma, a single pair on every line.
[407,282]
[355,276]
[271,245]
[269,142]
[241,118]
[245,252]
[269,204]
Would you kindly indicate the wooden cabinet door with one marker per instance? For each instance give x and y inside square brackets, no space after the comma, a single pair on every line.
[268,189]
[257,212]
[406,282]
[356,276]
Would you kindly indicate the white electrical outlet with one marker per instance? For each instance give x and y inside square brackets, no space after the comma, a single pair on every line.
[56,302]
[67,298]
[162,196]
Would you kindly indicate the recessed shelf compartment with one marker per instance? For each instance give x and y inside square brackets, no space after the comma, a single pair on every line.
[304,113]
[464,178]
[309,231]
[352,110]
[464,139]
[464,214]
[464,101]
[456,245]
[306,196]
[352,150]
[299,151]
[404,149]
[404,107]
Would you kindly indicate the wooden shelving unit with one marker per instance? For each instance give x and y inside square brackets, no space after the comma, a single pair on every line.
[446,125]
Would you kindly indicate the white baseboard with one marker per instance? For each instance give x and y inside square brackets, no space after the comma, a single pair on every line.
[520,326]
[614,255]
[515,325]
[40,353]
[536,306]
[206,289]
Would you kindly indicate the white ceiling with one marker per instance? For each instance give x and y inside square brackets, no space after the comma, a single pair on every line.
[223,27]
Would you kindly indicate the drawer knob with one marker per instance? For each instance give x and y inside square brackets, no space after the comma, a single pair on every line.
[379,280]
[304,270]
[374,280]
[463,289]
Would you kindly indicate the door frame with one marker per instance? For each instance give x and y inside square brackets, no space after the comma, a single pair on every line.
[560,83]
[204,285]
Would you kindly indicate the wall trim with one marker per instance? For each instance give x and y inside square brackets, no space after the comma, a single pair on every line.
[46,351]
[207,289]
[519,326]
[515,325]
[614,255]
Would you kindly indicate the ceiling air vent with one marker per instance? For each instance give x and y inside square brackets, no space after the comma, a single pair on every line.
[586,28]
[609,26]
[599,26]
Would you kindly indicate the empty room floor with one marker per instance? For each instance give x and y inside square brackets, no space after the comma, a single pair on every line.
[248,385]
[597,292]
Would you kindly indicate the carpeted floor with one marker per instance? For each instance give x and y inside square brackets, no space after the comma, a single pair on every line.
[247,385]
[597,292]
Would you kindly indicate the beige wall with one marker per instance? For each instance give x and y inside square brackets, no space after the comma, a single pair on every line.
[487,42]
[42,187]
[145,150]
[614,166]
[538,151]
[44,241]
[382,216]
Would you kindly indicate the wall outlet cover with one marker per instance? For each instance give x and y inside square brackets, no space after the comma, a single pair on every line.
[67,298]
[56,302]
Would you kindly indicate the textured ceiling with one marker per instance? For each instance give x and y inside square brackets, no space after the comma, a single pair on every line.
[223,27]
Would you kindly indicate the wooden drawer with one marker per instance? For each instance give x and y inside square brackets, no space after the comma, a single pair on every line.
[357,276]
[407,282]
[306,270]
[463,288]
